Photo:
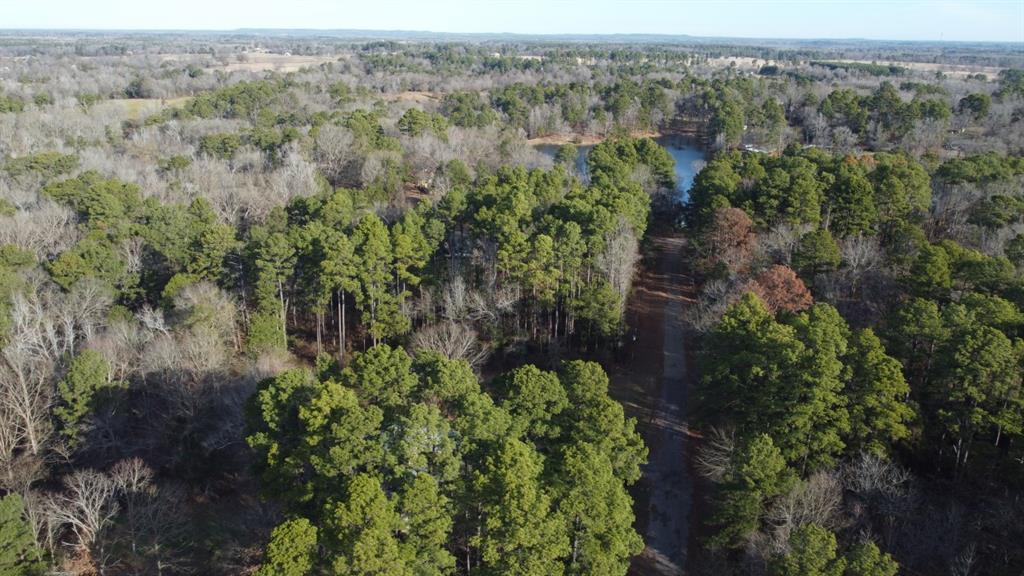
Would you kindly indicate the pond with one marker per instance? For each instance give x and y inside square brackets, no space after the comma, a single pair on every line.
[685,150]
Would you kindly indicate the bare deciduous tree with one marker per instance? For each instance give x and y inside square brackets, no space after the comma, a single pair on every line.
[714,298]
[46,325]
[778,244]
[490,305]
[45,230]
[455,300]
[618,261]
[730,241]
[817,500]
[453,340]
[335,151]
[714,460]
[85,507]
[870,475]
[11,438]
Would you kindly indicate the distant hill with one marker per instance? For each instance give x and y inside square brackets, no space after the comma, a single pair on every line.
[487,37]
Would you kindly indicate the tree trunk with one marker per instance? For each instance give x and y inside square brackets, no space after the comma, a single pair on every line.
[284,311]
[319,324]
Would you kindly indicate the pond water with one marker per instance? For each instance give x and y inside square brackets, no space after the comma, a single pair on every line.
[685,150]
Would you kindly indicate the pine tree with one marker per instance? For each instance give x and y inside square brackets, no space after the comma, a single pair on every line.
[817,253]
[87,375]
[412,250]
[292,549]
[876,395]
[812,552]
[377,301]
[749,360]
[598,420]
[362,532]
[599,514]
[815,416]
[977,363]
[852,203]
[867,560]
[209,250]
[757,472]
[520,535]
[931,274]
[339,273]
[782,380]
[425,445]
[275,261]
[534,398]
[382,375]
[427,524]
[542,273]
[19,553]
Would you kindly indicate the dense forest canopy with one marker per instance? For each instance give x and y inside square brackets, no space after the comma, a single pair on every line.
[324,305]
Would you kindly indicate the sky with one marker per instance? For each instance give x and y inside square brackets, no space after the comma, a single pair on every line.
[979,20]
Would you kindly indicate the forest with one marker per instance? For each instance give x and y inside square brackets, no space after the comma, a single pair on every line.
[290,305]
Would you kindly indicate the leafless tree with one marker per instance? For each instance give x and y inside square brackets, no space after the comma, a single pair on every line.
[46,325]
[153,320]
[730,241]
[423,155]
[11,438]
[209,308]
[489,305]
[886,488]
[335,151]
[85,508]
[453,340]
[295,178]
[455,299]
[25,393]
[714,299]
[925,136]
[132,254]
[200,340]
[860,277]
[134,481]
[844,141]
[777,245]
[121,345]
[817,500]
[964,562]
[618,261]
[869,474]
[46,229]
[715,458]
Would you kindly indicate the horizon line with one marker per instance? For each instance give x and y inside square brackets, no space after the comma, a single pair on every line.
[553,35]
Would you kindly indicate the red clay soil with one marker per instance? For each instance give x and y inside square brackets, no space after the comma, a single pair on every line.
[653,385]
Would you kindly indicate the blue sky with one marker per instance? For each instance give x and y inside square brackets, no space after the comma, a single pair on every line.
[992,20]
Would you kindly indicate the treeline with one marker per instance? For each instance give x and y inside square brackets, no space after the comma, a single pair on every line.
[327,254]
[873,69]
[839,439]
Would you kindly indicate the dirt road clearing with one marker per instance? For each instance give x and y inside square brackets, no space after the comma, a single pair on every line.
[653,387]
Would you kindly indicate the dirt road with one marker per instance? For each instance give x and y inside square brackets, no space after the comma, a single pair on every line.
[653,387]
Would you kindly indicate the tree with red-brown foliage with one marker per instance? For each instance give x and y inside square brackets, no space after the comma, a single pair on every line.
[781,289]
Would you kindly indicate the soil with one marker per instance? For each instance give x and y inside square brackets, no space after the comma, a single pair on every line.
[654,386]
